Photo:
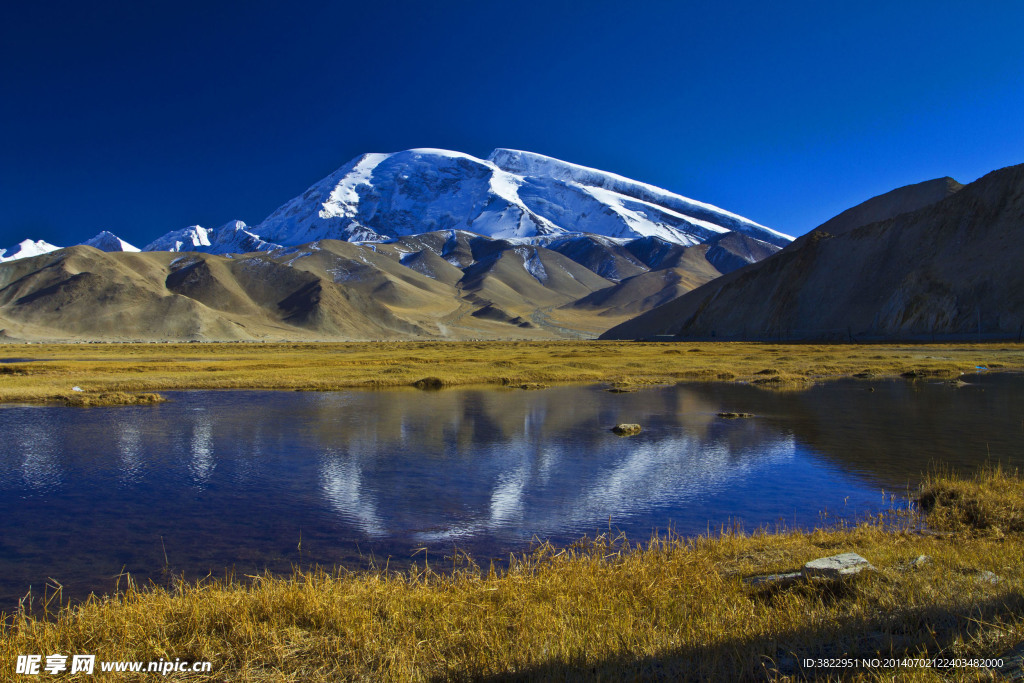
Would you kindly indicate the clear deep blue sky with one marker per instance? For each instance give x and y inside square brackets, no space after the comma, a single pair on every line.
[144,117]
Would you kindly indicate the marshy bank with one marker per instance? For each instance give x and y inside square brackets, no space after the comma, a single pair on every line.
[40,371]
[603,608]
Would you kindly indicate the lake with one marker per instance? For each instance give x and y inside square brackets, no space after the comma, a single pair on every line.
[254,480]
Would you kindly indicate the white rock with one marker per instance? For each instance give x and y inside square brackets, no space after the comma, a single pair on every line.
[920,561]
[836,566]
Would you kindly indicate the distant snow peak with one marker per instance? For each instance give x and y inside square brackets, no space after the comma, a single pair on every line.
[233,237]
[26,249]
[191,238]
[108,241]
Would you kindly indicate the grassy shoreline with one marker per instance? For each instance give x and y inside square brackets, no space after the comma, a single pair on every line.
[675,608]
[605,609]
[49,371]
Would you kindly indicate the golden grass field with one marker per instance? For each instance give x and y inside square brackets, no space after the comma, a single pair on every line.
[603,609]
[125,368]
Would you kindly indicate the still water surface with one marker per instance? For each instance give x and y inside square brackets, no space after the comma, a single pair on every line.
[221,479]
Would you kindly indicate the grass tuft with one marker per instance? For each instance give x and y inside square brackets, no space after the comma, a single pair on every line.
[992,501]
[108,398]
[428,383]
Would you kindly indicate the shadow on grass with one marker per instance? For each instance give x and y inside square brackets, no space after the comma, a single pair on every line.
[911,634]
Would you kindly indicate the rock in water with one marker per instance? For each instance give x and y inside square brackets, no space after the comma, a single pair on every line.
[626,429]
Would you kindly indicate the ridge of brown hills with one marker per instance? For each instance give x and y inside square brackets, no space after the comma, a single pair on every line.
[441,285]
[935,260]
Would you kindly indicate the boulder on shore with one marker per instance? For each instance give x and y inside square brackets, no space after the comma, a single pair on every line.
[836,566]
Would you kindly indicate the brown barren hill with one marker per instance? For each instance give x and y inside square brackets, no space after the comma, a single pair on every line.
[452,285]
[951,269]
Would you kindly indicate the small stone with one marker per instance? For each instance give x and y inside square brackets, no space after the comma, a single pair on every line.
[987,577]
[780,580]
[920,561]
[626,429]
[836,566]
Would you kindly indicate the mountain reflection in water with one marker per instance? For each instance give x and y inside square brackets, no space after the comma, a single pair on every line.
[236,478]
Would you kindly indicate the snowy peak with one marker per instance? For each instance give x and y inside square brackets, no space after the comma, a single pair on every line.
[510,195]
[108,241]
[376,197]
[26,249]
[191,238]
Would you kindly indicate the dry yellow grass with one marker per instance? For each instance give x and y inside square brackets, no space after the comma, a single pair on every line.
[107,398]
[992,502]
[600,610]
[99,368]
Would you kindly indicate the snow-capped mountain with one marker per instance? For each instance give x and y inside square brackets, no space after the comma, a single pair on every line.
[108,241]
[234,237]
[25,249]
[510,195]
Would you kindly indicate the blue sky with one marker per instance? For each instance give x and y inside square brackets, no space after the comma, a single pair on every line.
[144,117]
